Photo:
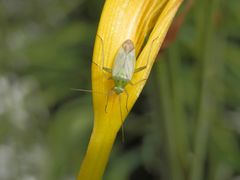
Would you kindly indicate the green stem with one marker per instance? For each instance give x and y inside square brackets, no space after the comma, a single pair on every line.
[177,90]
[206,105]
[171,141]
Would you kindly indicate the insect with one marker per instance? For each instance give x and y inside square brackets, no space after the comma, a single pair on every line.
[123,69]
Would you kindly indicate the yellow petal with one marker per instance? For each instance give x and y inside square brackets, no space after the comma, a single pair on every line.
[121,20]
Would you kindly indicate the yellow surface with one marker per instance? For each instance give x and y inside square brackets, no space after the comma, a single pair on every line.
[121,20]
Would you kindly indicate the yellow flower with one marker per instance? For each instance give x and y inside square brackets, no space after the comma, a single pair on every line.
[122,20]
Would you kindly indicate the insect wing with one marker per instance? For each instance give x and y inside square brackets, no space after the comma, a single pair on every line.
[124,64]
[130,64]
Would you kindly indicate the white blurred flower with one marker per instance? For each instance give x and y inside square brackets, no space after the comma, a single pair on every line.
[22,109]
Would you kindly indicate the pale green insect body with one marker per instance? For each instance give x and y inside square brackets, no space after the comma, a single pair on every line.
[124,66]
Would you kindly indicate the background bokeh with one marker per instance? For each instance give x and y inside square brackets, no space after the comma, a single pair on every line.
[187,115]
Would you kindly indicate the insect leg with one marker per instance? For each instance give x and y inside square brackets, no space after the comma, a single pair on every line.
[108,95]
[102,49]
[106,69]
[135,83]
[145,66]
[96,65]
[126,100]
[122,127]
[101,69]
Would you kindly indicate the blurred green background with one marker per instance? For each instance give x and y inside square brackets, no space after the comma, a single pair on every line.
[185,124]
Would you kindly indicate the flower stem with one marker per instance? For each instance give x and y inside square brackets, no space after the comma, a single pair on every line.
[97,155]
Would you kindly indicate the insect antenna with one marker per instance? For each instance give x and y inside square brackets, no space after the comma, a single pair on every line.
[87,90]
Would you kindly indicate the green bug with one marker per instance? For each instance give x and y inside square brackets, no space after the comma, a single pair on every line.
[123,69]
